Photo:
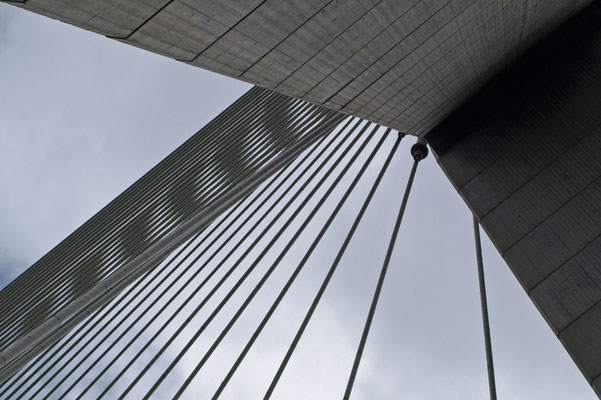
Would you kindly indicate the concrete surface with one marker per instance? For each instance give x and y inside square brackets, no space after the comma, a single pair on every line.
[524,153]
[405,64]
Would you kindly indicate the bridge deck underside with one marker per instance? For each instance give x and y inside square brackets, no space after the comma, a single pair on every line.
[523,151]
[524,154]
[404,64]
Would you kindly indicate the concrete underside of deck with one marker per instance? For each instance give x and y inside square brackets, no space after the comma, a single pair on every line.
[516,128]
[525,154]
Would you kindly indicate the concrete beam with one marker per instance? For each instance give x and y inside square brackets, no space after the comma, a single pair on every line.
[524,155]
[402,64]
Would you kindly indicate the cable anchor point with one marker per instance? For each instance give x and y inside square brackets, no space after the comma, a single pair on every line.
[419,150]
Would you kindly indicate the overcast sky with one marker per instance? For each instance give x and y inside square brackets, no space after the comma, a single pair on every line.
[83,117]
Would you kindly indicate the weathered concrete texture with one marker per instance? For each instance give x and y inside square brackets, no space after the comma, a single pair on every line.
[402,63]
[108,17]
[524,153]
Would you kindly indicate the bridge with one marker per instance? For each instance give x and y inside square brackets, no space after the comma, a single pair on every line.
[504,93]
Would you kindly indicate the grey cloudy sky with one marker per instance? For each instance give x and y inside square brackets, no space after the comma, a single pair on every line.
[83,117]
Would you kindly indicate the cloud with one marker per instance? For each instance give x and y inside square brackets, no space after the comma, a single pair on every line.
[83,117]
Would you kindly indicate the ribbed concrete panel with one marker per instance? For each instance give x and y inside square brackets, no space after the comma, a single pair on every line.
[597,385]
[524,154]
[117,18]
[576,282]
[561,180]
[406,64]
[179,31]
[558,238]
[582,340]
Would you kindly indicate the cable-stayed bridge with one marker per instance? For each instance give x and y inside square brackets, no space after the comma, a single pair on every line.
[504,93]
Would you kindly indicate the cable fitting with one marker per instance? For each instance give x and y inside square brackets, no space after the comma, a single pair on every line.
[419,150]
